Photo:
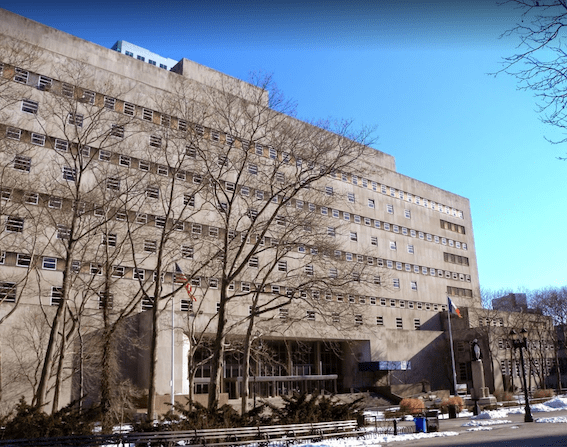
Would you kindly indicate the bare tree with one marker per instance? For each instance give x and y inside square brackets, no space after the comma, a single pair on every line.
[540,64]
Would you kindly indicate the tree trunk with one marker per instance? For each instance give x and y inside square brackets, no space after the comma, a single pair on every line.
[151,414]
[58,375]
[217,362]
[246,365]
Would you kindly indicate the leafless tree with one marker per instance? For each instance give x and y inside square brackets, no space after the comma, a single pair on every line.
[540,63]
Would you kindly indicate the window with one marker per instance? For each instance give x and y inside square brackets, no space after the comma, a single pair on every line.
[56,296]
[129,109]
[118,271]
[49,263]
[38,139]
[113,183]
[380,321]
[358,321]
[416,324]
[104,155]
[125,161]
[350,197]
[21,76]
[109,102]
[155,141]
[413,285]
[117,131]
[31,198]
[13,133]
[191,152]
[160,221]
[410,249]
[147,114]
[152,192]
[390,209]
[309,269]
[162,170]
[282,266]
[14,224]
[22,163]
[396,283]
[7,292]
[88,96]
[310,315]
[324,210]
[75,119]
[141,218]
[30,106]
[331,231]
[371,203]
[61,145]
[353,236]
[346,216]
[196,228]
[165,120]
[399,323]
[109,239]
[147,304]
[386,226]
[253,169]
[392,245]
[69,174]
[253,262]
[329,190]
[150,246]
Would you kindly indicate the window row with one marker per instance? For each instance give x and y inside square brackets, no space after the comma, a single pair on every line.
[24,164]
[166,120]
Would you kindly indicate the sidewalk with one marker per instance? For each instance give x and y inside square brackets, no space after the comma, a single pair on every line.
[515,432]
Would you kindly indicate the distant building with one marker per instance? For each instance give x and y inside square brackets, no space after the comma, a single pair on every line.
[513,302]
[141,54]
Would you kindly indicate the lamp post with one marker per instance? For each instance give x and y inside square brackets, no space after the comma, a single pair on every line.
[519,341]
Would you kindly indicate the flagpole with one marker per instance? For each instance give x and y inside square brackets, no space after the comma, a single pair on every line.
[172,341]
[452,353]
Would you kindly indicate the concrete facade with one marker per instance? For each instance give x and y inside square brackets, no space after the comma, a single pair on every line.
[415,241]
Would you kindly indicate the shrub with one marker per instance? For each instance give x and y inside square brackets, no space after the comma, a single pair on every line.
[538,394]
[412,406]
[503,396]
[457,401]
[30,422]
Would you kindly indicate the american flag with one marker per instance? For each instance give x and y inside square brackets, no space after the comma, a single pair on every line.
[180,276]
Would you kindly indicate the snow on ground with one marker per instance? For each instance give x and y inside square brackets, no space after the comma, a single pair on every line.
[486,422]
[491,414]
[556,420]
[479,429]
[371,441]
[555,404]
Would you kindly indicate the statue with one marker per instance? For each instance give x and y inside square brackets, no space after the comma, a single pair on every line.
[476,352]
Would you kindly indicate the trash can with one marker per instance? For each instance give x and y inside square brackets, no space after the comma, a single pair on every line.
[420,424]
[452,411]
[432,420]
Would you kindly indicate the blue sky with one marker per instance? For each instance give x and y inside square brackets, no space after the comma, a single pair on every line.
[417,70]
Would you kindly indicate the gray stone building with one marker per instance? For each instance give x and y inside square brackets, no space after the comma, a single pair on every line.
[362,258]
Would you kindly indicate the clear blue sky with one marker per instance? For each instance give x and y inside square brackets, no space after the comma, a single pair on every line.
[416,69]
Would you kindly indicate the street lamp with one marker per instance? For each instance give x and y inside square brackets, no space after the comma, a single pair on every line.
[519,341]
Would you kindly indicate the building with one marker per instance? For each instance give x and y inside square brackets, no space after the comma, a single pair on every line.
[121,180]
[513,302]
[141,54]
[491,328]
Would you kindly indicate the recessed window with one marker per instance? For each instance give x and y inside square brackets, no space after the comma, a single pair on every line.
[253,169]
[162,170]
[253,262]
[38,139]
[147,114]
[399,323]
[141,218]
[129,109]
[413,285]
[407,214]
[69,173]
[22,163]
[109,102]
[109,239]
[353,236]
[390,209]
[104,155]
[75,119]
[23,260]
[117,131]
[56,296]
[152,192]
[13,133]
[88,97]
[350,197]
[371,203]
[31,198]
[30,106]
[358,321]
[396,283]
[113,183]
[8,292]
[49,263]
[410,249]
[150,246]
[160,221]
[155,141]
[61,145]
[125,161]
[21,76]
